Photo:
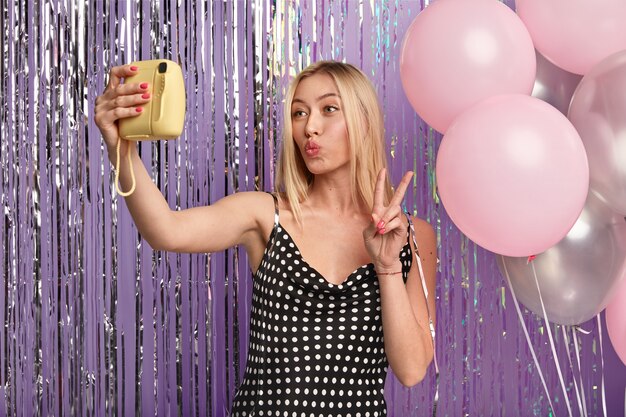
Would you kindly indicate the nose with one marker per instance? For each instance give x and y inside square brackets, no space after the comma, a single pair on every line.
[313,125]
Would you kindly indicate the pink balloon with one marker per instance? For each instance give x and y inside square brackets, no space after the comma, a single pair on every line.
[575,34]
[512,174]
[458,52]
[616,320]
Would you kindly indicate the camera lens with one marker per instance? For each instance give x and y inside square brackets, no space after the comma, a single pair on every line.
[162,67]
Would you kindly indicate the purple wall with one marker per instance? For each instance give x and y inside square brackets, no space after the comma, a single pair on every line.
[93,322]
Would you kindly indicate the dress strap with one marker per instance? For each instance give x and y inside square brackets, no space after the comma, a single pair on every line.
[275,210]
[272,238]
[411,233]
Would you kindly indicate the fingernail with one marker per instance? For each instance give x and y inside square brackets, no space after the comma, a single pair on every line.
[145,95]
[143,85]
[139,109]
[133,68]
[381,231]
[380,224]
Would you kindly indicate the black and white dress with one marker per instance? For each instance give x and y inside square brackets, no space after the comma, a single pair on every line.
[316,348]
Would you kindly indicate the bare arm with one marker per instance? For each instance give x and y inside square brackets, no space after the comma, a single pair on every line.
[407,337]
[404,313]
[230,221]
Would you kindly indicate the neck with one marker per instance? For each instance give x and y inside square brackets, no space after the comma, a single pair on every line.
[334,193]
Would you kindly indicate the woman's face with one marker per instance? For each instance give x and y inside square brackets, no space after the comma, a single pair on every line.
[319,125]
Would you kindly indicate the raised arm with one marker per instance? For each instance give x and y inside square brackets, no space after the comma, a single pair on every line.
[405,317]
[232,220]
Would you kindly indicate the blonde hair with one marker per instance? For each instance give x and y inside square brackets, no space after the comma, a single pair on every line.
[366,138]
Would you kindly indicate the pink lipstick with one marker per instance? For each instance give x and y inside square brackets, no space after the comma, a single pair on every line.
[311,149]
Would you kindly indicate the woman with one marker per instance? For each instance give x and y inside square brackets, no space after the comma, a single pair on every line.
[317,345]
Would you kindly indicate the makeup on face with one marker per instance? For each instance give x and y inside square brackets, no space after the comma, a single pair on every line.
[318,124]
[311,148]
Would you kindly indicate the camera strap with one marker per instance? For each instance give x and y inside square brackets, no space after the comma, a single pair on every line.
[117,170]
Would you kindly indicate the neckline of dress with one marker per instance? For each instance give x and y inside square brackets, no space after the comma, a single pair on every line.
[315,270]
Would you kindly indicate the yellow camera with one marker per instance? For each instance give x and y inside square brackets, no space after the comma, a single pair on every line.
[164,115]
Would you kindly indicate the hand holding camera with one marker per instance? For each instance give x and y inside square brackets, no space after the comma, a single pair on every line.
[149,105]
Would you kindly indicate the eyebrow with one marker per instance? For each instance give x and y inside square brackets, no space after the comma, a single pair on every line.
[322,97]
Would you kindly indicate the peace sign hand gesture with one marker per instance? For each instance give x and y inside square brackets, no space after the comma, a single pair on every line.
[385,236]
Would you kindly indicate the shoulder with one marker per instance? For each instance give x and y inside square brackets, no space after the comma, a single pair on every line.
[253,204]
[249,199]
[258,207]
[422,227]
[424,233]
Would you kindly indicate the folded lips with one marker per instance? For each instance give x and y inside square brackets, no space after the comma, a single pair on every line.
[310,146]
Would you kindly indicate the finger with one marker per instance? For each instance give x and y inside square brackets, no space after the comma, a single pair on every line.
[123,113]
[391,213]
[108,118]
[105,103]
[119,72]
[370,232]
[376,222]
[393,224]
[124,90]
[379,191]
[398,196]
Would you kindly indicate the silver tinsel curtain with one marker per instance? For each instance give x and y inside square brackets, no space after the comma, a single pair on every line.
[94,322]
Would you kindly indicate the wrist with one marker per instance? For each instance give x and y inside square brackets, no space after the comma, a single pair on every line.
[125,147]
[394,268]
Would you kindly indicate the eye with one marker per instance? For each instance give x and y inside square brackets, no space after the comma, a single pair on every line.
[331,109]
[298,113]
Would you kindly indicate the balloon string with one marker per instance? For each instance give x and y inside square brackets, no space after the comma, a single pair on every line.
[530,345]
[576,329]
[581,330]
[583,412]
[602,364]
[552,346]
[430,319]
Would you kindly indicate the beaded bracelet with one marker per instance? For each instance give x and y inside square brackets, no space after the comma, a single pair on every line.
[388,273]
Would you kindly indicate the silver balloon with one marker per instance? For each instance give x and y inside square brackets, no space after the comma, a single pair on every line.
[598,111]
[576,275]
[554,85]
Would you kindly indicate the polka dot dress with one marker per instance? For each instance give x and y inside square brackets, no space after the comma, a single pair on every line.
[315,349]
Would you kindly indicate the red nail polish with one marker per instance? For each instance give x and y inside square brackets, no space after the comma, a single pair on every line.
[139,109]
[133,68]
[143,85]
[381,231]
[380,224]
[145,95]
